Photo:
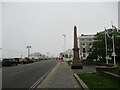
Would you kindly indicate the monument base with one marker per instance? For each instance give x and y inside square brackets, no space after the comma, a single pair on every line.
[76,65]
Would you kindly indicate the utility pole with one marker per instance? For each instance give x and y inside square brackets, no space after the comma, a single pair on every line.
[28,47]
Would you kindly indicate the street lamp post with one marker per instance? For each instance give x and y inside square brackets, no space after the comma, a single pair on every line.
[64,45]
[28,47]
[64,42]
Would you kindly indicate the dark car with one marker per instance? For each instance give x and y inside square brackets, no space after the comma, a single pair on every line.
[9,62]
[19,60]
[30,61]
[25,61]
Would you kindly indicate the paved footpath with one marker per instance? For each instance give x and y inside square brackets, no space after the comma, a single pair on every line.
[60,77]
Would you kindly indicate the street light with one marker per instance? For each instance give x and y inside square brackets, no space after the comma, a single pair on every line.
[64,45]
[28,47]
[64,42]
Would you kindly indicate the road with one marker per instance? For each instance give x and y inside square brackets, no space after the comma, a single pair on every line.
[0,78]
[24,76]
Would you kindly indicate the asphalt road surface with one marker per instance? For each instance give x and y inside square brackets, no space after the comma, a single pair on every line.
[24,76]
[0,78]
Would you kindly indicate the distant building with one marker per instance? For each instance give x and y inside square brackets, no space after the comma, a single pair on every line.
[85,45]
[67,55]
[36,55]
[43,57]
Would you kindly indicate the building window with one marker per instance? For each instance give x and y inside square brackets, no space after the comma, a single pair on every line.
[90,49]
[83,44]
[90,44]
[66,55]
[84,55]
[83,50]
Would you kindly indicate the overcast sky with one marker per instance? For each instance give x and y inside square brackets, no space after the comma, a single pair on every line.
[42,24]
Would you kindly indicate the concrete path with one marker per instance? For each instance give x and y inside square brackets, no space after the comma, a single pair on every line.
[60,77]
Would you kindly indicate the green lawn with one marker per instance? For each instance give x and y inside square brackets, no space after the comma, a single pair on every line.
[116,71]
[118,64]
[94,80]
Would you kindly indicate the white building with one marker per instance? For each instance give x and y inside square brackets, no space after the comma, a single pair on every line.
[85,44]
[69,52]
[36,55]
[67,55]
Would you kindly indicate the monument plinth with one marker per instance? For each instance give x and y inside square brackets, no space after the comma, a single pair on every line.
[76,64]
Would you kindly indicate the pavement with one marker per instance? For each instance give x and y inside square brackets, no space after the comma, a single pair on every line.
[60,77]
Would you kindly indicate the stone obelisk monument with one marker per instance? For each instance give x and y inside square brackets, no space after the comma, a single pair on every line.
[76,64]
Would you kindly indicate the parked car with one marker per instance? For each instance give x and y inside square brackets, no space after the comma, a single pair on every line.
[9,62]
[19,60]
[26,60]
[30,61]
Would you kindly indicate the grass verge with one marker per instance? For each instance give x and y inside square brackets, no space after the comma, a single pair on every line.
[94,80]
[69,62]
